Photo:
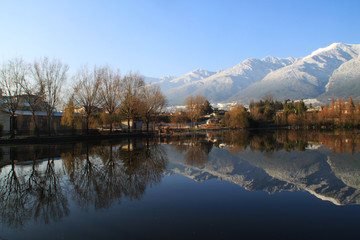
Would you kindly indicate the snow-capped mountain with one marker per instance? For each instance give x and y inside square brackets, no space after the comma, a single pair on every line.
[169,82]
[162,81]
[195,75]
[332,71]
[224,84]
[344,81]
[306,78]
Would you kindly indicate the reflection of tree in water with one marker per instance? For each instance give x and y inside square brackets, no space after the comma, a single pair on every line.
[236,140]
[155,163]
[179,146]
[133,160]
[266,141]
[269,141]
[46,198]
[195,149]
[103,174]
[13,201]
[100,175]
[35,194]
[49,203]
[142,167]
[111,181]
[106,174]
[84,174]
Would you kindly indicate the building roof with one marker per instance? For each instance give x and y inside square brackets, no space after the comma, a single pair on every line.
[38,113]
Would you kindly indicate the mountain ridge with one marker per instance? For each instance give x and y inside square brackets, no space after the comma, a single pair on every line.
[318,75]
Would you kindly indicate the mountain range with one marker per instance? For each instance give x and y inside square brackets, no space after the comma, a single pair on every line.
[333,71]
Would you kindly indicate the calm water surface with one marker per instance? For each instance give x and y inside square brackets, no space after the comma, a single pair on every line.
[220,185]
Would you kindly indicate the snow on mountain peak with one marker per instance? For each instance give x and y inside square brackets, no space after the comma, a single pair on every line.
[193,76]
[326,49]
[253,78]
[198,74]
[270,59]
[336,49]
[167,78]
[199,70]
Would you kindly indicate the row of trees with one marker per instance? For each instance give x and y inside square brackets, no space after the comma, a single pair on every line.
[103,90]
[38,85]
[339,114]
[98,93]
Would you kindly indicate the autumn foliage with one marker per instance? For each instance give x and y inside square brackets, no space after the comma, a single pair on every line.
[339,114]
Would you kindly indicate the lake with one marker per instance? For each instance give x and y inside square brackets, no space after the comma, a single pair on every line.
[217,185]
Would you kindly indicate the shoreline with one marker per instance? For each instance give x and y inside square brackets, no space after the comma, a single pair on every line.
[122,135]
[73,138]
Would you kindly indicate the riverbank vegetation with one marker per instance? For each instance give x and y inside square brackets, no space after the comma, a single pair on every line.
[98,97]
[270,113]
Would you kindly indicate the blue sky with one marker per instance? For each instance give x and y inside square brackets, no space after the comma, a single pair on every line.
[160,37]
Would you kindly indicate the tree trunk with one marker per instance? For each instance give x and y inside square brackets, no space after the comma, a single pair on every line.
[12,126]
[72,127]
[37,132]
[49,125]
[128,124]
[87,124]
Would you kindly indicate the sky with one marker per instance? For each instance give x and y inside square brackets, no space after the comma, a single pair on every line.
[165,37]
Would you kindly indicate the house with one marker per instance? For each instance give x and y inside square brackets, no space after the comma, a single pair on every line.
[24,122]
[211,122]
[5,121]
[134,125]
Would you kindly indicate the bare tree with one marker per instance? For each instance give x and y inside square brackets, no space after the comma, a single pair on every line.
[195,107]
[110,92]
[180,118]
[87,89]
[153,101]
[132,84]
[34,94]
[52,74]
[12,76]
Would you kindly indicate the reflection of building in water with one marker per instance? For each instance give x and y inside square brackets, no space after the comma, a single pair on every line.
[23,153]
[134,144]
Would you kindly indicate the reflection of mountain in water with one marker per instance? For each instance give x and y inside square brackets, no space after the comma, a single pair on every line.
[317,170]
[38,181]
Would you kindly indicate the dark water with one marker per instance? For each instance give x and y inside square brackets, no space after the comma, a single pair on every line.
[221,185]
